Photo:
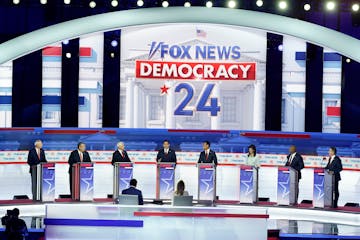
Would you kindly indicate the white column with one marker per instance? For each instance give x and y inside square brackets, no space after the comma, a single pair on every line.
[136,105]
[215,120]
[170,101]
[258,106]
[129,103]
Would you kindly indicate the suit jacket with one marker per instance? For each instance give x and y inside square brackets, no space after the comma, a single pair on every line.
[297,163]
[134,191]
[118,158]
[169,157]
[33,158]
[211,158]
[75,158]
[336,167]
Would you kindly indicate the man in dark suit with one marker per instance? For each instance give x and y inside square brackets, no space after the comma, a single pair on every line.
[132,190]
[208,155]
[334,166]
[35,157]
[120,155]
[77,156]
[166,154]
[295,161]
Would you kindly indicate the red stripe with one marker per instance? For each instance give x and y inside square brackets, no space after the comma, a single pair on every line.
[198,131]
[228,164]
[186,163]
[17,129]
[333,111]
[211,215]
[57,51]
[68,131]
[85,52]
[145,162]
[275,135]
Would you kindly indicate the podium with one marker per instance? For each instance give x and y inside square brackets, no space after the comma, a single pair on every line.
[123,173]
[206,182]
[323,188]
[248,184]
[43,182]
[165,180]
[83,181]
[287,186]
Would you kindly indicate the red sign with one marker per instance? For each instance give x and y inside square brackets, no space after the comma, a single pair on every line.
[333,111]
[195,70]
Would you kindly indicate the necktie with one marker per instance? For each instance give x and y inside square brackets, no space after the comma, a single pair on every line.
[38,153]
[81,156]
[206,155]
[166,151]
[291,158]
[122,154]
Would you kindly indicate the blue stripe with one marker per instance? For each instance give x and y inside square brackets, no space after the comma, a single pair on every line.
[5,99]
[53,100]
[93,222]
[328,56]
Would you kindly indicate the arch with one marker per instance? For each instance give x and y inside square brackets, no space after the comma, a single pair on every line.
[27,43]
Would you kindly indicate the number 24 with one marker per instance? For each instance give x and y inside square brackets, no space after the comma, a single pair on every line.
[213,108]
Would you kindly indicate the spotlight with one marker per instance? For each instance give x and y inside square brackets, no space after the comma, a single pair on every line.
[348,60]
[259,3]
[67,1]
[140,3]
[209,4]
[231,4]
[114,3]
[187,4]
[280,47]
[330,5]
[114,43]
[307,7]
[283,5]
[92,4]
[68,55]
[355,7]
[16,2]
[65,42]
[165,4]
[112,55]
[43,1]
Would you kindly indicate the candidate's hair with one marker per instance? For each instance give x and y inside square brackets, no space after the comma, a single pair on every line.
[166,141]
[180,188]
[334,150]
[253,147]
[133,182]
[207,143]
[80,143]
[37,141]
[120,143]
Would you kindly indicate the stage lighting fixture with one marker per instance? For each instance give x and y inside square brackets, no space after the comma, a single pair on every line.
[355,7]
[67,1]
[92,4]
[209,4]
[43,1]
[114,3]
[65,42]
[280,47]
[165,4]
[348,60]
[330,5]
[283,5]
[231,4]
[140,3]
[187,4]
[259,3]
[112,55]
[16,2]
[307,7]
[68,55]
[114,43]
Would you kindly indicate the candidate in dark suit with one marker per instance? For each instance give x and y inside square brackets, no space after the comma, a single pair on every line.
[76,156]
[132,190]
[295,161]
[36,156]
[120,155]
[334,166]
[166,154]
[208,155]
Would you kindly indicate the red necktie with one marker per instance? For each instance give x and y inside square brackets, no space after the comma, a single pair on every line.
[206,156]
[38,153]
[122,154]
[81,156]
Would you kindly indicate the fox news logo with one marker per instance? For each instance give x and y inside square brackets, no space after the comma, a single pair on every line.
[211,52]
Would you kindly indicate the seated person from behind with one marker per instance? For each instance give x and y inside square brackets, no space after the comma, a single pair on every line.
[132,190]
[15,227]
[180,189]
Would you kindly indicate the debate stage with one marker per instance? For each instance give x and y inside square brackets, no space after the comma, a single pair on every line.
[224,221]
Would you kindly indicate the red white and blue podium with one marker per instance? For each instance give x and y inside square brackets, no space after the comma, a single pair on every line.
[83,181]
[165,180]
[323,188]
[44,187]
[206,182]
[248,184]
[123,173]
[287,185]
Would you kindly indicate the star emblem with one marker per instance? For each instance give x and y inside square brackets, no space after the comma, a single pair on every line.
[208,183]
[248,184]
[284,186]
[51,186]
[169,185]
[89,183]
[320,188]
[164,89]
